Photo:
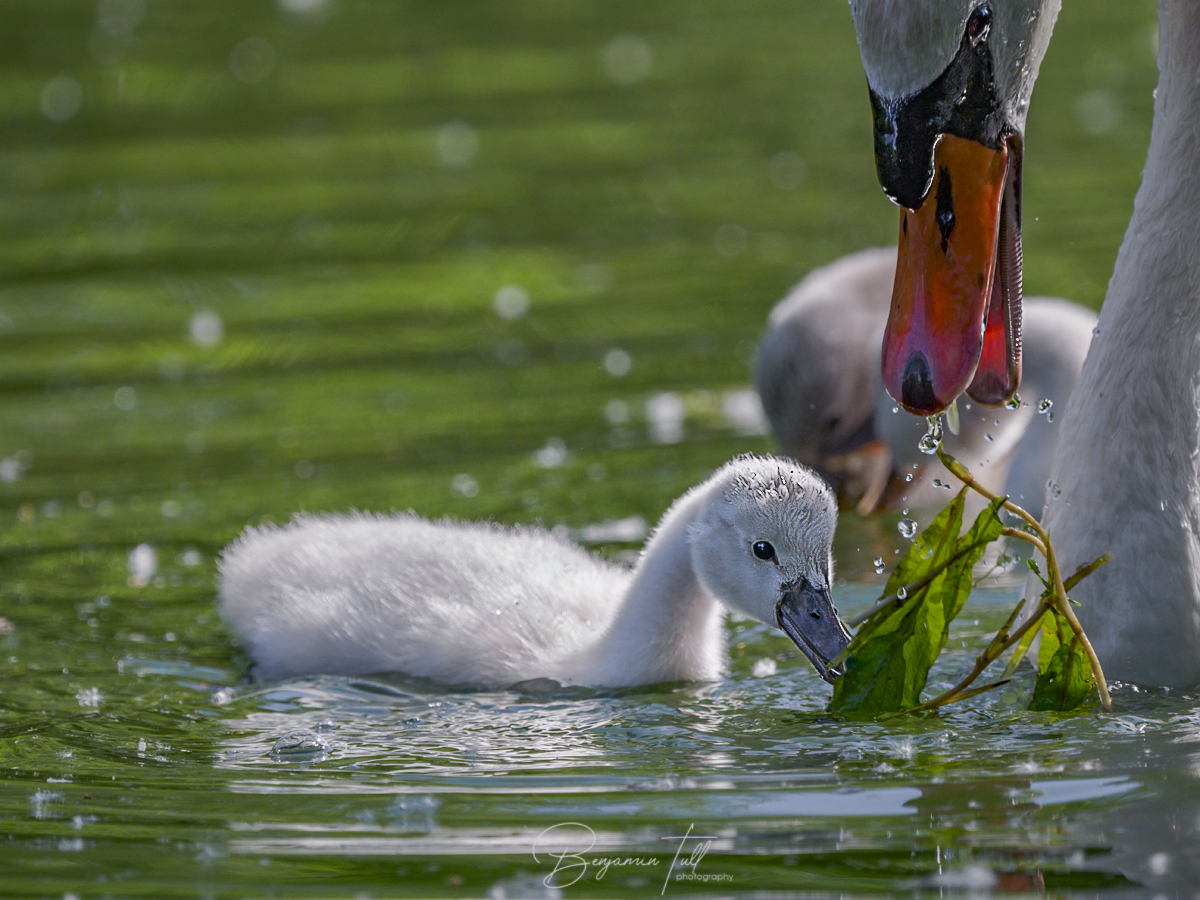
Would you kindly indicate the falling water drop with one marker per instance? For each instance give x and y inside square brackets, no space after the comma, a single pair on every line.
[938,483]
[902,594]
[1044,406]
[907,528]
[988,437]
[1014,403]
[879,565]
[908,477]
[1049,417]
[933,437]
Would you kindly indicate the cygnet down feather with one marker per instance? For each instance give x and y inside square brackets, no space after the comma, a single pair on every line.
[479,604]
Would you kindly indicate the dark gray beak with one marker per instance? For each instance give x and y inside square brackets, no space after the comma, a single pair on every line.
[808,616]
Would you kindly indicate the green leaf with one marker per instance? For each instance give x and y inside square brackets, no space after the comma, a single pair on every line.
[1055,631]
[890,657]
[1066,683]
[971,546]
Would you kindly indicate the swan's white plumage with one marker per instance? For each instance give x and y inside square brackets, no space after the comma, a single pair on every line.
[1128,466]
[468,603]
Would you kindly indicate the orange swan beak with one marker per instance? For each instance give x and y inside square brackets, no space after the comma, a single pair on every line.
[955,318]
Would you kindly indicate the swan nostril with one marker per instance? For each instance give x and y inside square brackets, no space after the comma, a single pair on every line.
[945,207]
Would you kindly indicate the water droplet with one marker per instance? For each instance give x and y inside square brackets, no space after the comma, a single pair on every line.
[895,409]
[902,594]
[1014,403]
[908,477]
[300,743]
[988,437]
[907,528]
[765,668]
[933,437]
[1050,417]
[938,483]
[904,512]
[996,422]
[1096,332]
[1044,406]
[879,565]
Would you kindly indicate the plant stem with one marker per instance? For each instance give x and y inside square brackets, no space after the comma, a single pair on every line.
[959,471]
[974,692]
[1069,614]
[1060,592]
[1001,642]
[1024,536]
[1084,571]
[909,590]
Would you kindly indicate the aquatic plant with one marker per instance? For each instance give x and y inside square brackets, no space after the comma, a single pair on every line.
[900,637]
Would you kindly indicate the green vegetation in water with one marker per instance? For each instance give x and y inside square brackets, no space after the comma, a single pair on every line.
[900,637]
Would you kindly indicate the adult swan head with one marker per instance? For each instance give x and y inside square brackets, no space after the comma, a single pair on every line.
[950,84]
[1126,477]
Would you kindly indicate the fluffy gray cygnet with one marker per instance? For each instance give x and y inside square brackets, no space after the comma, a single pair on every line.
[479,604]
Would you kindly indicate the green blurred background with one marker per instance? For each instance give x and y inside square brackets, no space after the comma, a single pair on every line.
[283,226]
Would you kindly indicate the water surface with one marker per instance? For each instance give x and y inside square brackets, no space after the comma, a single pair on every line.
[502,261]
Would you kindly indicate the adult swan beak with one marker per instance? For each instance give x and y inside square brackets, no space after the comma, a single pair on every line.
[947,157]
[806,613]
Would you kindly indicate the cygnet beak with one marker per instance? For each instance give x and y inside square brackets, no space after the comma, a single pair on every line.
[807,615]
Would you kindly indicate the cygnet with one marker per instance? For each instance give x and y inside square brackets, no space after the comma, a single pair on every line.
[483,605]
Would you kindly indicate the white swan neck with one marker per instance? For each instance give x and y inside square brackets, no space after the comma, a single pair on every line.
[1170,194]
[1128,456]
[667,626]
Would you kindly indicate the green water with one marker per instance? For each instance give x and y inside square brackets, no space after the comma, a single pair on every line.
[239,280]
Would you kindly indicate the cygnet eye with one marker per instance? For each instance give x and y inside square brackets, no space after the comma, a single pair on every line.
[979,24]
[764,550]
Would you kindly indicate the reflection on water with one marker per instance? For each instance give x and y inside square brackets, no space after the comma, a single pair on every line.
[502,261]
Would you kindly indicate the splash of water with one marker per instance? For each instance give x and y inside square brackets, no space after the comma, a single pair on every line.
[932,440]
